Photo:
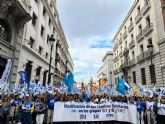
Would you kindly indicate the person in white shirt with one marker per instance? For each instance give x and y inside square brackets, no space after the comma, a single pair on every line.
[161,111]
[150,115]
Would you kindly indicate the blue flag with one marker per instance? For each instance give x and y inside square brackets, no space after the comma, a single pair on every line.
[121,87]
[23,77]
[69,81]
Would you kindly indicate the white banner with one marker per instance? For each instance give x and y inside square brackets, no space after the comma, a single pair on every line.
[78,112]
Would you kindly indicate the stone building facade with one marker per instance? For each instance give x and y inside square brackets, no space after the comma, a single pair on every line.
[138,53]
[13,15]
[106,71]
[36,46]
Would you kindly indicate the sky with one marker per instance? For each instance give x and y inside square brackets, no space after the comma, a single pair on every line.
[89,27]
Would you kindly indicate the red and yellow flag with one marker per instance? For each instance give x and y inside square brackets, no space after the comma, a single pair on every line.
[95,89]
[101,82]
[83,86]
[91,84]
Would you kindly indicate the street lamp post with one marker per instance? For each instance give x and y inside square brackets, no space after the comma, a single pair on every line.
[51,40]
[150,49]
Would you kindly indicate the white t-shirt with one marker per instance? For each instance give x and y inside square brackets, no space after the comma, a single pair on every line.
[96,100]
[161,109]
[149,105]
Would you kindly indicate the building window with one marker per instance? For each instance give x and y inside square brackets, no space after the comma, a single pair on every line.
[31,43]
[47,38]
[134,77]
[4,31]
[42,30]
[148,20]
[49,22]
[130,20]
[28,69]
[133,55]
[152,74]
[46,55]
[125,28]
[140,28]
[44,11]
[141,49]
[53,30]
[40,50]
[138,9]
[51,5]
[38,71]
[125,44]
[34,19]
[132,38]
[143,75]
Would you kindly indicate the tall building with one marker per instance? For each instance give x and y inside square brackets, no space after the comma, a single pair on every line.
[106,71]
[138,53]
[37,43]
[13,15]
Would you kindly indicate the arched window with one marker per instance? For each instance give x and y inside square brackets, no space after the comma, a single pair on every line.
[4,31]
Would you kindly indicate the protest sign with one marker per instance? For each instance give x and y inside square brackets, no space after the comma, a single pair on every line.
[78,112]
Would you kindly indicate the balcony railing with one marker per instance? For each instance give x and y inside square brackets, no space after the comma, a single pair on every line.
[116,58]
[125,65]
[132,44]
[125,35]
[126,50]
[140,36]
[131,27]
[148,29]
[116,71]
[120,40]
[121,54]
[143,56]
[115,47]
[138,17]
[146,7]
[132,62]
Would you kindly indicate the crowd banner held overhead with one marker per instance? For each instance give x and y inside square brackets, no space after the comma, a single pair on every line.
[84,112]
[6,73]
[23,77]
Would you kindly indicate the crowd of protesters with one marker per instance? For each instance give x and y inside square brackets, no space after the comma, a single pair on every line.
[30,109]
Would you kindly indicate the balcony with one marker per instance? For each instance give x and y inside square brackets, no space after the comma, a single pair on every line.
[131,27]
[139,37]
[125,65]
[132,62]
[115,47]
[125,35]
[120,40]
[143,56]
[126,50]
[116,71]
[132,44]
[146,7]
[121,54]
[138,17]
[148,29]
[116,59]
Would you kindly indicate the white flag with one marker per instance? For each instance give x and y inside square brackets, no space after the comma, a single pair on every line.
[6,72]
